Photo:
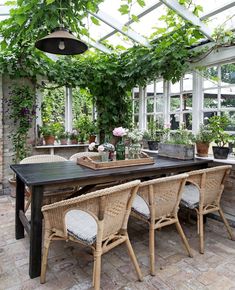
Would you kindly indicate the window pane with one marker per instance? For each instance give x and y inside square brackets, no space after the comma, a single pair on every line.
[207,115]
[136,106]
[150,105]
[159,104]
[175,103]
[187,119]
[231,116]
[136,121]
[187,102]
[174,120]
[175,88]
[211,99]
[159,87]
[210,77]
[228,74]
[188,82]
[228,97]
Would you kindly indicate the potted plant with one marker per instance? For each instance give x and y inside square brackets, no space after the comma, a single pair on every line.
[202,140]
[63,137]
[49,131]
[73,137]
[178,144]
[155,131]
[92,131]
[217,125]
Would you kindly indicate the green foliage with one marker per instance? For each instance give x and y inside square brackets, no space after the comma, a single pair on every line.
[21,106]
[50,129]
[204,135]
[180,136]
[155,130]
[217,125]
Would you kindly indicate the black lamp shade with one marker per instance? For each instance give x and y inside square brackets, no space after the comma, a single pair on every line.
[61,41]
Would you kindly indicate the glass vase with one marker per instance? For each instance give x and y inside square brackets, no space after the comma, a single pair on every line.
[120,150]
[104,156]
[134,151]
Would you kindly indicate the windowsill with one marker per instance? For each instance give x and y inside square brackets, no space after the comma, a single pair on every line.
[61,146]
[229,160]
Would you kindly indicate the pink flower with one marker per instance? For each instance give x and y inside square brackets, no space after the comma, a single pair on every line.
[119,132]
[101,148]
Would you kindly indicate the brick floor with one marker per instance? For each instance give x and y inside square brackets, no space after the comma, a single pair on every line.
[70,265]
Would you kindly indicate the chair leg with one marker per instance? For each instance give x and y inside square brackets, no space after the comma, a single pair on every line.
[97,270]
[27,204]
[232,237]
[152,250]
[133,259]
[183,238]
[201,233]
[46,246]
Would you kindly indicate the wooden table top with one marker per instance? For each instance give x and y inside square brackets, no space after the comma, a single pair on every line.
[68,171]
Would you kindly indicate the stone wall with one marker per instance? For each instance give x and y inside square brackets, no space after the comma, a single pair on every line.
[1,136]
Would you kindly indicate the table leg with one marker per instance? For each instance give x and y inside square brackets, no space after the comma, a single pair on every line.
[36,232]
[19,228]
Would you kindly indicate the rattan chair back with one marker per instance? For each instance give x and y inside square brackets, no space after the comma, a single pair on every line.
[210,182]
[75,156]
[44,158]
[163,195]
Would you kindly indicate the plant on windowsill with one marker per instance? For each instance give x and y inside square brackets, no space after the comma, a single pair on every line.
[73,137]
[63,136]
[178,144]
[154,133]
[49,132]
[218,125]
[203,139]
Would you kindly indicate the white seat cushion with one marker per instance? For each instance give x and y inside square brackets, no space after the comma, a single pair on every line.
[190,196]
[140,206]
[81,225]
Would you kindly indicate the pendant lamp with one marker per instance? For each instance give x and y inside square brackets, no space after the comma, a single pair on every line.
[61,41]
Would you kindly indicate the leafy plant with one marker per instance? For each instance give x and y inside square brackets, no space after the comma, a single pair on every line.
[22,111]
[217,125]
[155,130]
[180,136]
[204,135]
[48,129]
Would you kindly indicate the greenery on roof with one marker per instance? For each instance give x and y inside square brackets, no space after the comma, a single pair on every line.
[109,77]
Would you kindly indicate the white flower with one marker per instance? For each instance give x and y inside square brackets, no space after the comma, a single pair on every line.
[91,146]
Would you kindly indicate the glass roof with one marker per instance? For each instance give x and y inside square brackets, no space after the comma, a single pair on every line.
[213,12]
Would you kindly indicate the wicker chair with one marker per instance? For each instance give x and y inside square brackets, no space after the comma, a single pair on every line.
[157,203]
[51,195]
[203,193]
[98,220]
[81,154]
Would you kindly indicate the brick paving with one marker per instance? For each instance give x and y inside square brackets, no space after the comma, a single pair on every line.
[70,265]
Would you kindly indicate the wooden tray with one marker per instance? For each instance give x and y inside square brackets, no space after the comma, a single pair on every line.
[94,162]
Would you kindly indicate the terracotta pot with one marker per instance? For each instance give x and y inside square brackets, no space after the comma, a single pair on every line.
[63,142]
[74,141]
[49,140]
[202,149]
[12,182]
[92,138]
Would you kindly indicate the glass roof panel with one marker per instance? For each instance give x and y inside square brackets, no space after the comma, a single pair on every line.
[97,31]
[118,40]
[210,5]
[226,17]
[148,23]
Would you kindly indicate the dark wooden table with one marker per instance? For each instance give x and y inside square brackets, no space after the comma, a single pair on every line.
[40,176]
